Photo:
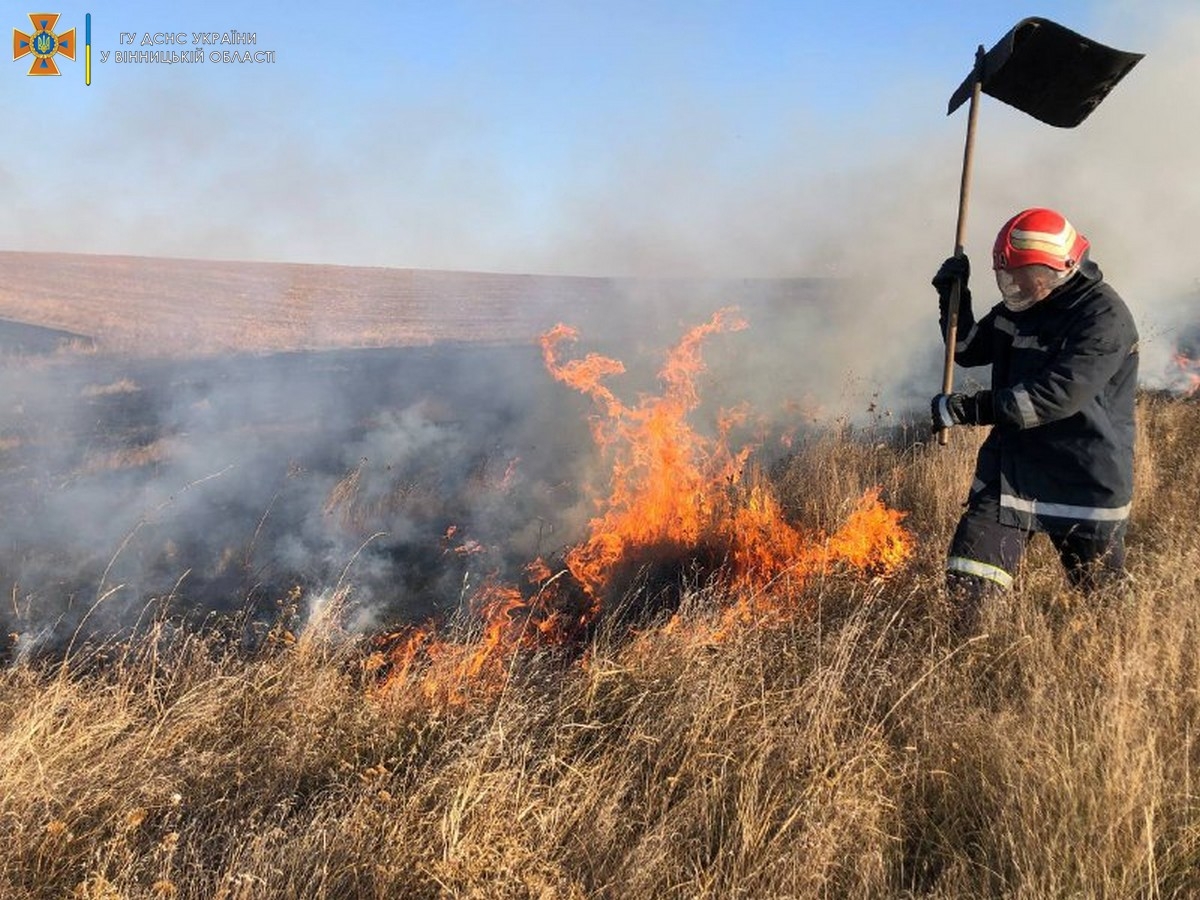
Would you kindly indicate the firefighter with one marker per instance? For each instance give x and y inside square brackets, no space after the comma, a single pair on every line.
[1059,457]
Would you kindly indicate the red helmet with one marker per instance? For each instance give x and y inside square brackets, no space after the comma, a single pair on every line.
[1038,237]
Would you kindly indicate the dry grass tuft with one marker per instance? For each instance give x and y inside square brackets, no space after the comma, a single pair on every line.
[113,388]
[854,752]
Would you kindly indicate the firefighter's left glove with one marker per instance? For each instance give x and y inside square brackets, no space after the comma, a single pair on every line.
[948,410]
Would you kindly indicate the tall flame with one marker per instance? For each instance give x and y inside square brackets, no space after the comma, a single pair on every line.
[673,495]
[668,482]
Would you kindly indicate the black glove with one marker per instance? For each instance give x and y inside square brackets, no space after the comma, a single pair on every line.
[955,268]
[961,409]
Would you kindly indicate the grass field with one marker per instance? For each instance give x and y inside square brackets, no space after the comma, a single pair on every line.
[847,750]
[179,308]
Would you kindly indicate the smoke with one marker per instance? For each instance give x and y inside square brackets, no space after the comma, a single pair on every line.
[871,203]
[137,486]
[402,178]
[216,484]
[415,473]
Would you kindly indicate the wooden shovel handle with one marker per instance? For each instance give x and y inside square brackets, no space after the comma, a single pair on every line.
[960,234]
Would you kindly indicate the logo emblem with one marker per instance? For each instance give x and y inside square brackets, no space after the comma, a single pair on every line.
[44,44]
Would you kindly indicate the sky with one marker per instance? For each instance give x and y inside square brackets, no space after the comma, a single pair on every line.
[559,136]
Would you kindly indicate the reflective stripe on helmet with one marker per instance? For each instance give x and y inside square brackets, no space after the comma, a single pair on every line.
[1038,236]
[965,566]
[1059,244]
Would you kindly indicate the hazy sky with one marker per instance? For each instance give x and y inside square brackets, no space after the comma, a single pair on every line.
[647,137]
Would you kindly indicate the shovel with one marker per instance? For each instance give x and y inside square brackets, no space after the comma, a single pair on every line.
[1043,69]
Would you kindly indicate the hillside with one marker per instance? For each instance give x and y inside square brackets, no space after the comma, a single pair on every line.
[182,308]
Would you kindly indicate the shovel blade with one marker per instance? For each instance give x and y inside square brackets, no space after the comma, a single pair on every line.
[1048,71]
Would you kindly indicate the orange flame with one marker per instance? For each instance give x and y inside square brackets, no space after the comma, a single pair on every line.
[674,494]
[667,480]
[1190,370]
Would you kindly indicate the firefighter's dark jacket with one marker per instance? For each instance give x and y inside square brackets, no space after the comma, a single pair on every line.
[1064,379]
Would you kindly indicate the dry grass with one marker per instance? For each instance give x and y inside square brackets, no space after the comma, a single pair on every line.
[853,753]
[178,308]
[134,457]
[184,308]
[120,386]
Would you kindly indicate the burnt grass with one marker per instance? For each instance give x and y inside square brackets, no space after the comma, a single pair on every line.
[210,484]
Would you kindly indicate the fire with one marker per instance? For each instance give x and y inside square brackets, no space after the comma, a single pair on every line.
[668,486]
[676,499]
[1189,370]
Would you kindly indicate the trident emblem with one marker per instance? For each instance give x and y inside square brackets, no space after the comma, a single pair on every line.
[44,44]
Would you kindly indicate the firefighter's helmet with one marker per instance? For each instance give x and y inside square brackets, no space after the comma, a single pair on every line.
[1038,237]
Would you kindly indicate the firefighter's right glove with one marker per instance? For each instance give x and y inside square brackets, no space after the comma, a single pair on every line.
[955,268]
[948,410]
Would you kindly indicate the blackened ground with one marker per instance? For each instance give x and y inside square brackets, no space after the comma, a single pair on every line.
[208,485]
[144,476]
[20,338]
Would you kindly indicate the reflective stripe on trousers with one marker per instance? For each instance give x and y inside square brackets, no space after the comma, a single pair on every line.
[1066,510]
[965,566]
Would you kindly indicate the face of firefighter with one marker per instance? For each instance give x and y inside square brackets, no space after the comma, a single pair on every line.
[1024,286]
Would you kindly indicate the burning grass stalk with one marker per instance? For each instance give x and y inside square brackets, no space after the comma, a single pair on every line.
[678,506]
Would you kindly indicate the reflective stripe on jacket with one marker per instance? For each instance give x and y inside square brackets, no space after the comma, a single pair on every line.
[1064,382]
